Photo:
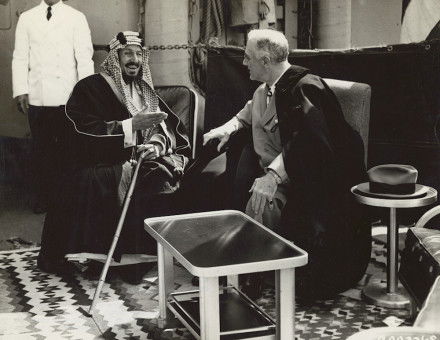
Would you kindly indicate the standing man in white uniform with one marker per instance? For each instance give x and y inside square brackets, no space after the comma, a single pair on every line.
[53,50]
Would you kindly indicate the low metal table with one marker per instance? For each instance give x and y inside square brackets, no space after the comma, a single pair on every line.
[391,295]
[224,243]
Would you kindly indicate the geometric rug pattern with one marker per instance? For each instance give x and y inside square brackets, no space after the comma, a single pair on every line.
[37,305]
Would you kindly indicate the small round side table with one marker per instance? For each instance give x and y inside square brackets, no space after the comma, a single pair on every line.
[392,295]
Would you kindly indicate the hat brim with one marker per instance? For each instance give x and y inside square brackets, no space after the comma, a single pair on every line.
[420,191]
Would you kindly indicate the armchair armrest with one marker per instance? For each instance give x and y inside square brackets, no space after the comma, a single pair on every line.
[208,152]
[427,216]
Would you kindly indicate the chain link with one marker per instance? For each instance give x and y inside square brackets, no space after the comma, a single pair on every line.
[161,47]
[175,47]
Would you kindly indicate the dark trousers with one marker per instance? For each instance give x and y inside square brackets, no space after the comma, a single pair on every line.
[248,170]
[47,126]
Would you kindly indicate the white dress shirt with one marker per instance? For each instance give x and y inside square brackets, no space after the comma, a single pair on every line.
[50,56]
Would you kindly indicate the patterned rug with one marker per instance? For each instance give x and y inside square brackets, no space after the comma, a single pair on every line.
[37,305]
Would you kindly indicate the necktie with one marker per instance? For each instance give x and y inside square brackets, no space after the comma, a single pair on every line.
[268,94]
[49,12]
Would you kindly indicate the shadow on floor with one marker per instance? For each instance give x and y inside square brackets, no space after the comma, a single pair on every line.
[19,226]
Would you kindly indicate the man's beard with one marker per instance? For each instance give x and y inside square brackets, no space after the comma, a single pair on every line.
[129,79]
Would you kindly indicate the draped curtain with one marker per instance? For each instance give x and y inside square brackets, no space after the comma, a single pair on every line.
[211,29]
[213,19]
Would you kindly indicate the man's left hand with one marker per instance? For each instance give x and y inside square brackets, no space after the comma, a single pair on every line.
[152,151]
[263,190]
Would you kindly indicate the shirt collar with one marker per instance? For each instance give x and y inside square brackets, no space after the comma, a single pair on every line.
[272,88]
[55,7]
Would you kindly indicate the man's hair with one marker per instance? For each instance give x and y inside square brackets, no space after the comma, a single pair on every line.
[271,41]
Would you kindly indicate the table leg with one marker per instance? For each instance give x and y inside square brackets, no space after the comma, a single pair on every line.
[391,295]
[209,308]
[166,282]
[285,303]
[233,281]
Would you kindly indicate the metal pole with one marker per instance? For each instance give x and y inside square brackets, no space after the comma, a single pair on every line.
[392,238]
[117,233]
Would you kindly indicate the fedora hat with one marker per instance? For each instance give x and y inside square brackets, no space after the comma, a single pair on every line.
[393,181]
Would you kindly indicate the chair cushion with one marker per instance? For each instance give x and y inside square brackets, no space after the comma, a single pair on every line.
[216,167]
[420,262]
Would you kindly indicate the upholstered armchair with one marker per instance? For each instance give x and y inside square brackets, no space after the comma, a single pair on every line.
[427,295]
[215,182]
[420,259]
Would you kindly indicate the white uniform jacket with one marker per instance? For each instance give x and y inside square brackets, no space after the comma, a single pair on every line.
[50,56]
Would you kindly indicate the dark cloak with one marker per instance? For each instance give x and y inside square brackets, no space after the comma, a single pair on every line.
[324,158]
[85,209]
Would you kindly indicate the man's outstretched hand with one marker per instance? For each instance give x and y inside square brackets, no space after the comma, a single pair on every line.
[218,133]
[22,102]
[145,120]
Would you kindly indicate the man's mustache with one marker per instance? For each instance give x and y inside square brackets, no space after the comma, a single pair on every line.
[132,64]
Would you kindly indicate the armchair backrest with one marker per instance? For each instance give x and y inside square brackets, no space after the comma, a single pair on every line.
[355,103]
[183,102]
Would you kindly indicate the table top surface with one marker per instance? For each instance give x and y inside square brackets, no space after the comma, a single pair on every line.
[387,202]
[223,242]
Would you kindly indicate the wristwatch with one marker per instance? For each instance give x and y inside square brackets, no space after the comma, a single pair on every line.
[277,177]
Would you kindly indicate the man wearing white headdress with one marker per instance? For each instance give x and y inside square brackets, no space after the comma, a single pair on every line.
[112,117]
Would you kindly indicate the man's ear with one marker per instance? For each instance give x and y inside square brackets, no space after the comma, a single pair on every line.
[266,60]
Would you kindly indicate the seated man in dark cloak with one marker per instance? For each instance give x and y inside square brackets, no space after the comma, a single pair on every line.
[112,117]
[299,168]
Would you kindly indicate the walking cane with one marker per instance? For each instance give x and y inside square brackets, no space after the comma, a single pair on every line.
[117,232]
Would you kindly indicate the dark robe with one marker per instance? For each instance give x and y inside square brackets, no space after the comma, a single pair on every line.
[85,212]
[324,158]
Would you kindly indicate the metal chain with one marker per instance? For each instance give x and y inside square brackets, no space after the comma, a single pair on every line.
[175,47]
[160,47]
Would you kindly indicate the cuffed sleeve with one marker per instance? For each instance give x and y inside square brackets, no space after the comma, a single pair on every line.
[232,126]
[129,135]
[277,165]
